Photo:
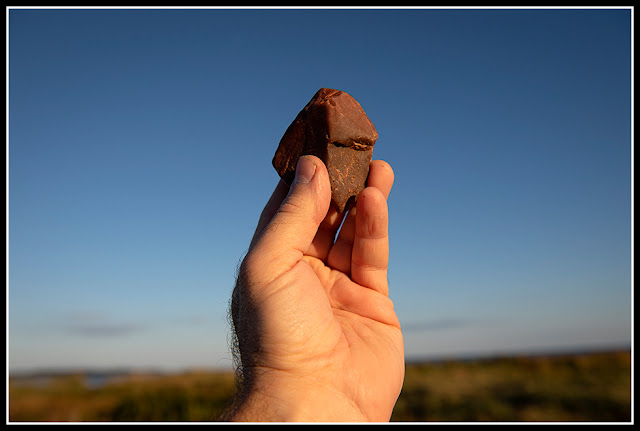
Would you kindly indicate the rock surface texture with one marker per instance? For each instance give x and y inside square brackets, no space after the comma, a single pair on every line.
[334,127]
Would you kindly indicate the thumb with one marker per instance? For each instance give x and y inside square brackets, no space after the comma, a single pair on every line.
[288,235]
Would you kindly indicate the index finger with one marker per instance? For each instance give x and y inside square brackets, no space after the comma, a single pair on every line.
[381,176]
[370,254]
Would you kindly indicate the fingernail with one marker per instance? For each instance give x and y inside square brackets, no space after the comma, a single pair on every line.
[305,170]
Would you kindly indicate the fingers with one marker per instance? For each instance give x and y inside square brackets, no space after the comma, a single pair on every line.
[337,255]
[381,176]
[326,234]
[370,254]
[288,234]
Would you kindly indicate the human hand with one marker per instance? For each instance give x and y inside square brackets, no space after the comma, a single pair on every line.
[316,332]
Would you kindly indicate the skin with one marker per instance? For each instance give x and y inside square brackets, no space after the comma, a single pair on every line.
[316,332]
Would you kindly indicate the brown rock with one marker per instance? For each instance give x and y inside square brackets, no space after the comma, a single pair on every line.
[334,127]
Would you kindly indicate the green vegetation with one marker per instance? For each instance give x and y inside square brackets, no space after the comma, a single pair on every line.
[192,397]
[593,387]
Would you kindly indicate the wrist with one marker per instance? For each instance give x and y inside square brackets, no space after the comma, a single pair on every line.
[278,398]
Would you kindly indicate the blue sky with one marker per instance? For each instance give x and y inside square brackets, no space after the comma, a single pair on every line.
[140,146]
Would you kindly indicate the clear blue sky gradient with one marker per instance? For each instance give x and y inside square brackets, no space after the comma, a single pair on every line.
[140,146]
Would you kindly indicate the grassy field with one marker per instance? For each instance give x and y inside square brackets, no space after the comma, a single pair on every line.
[591,387]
